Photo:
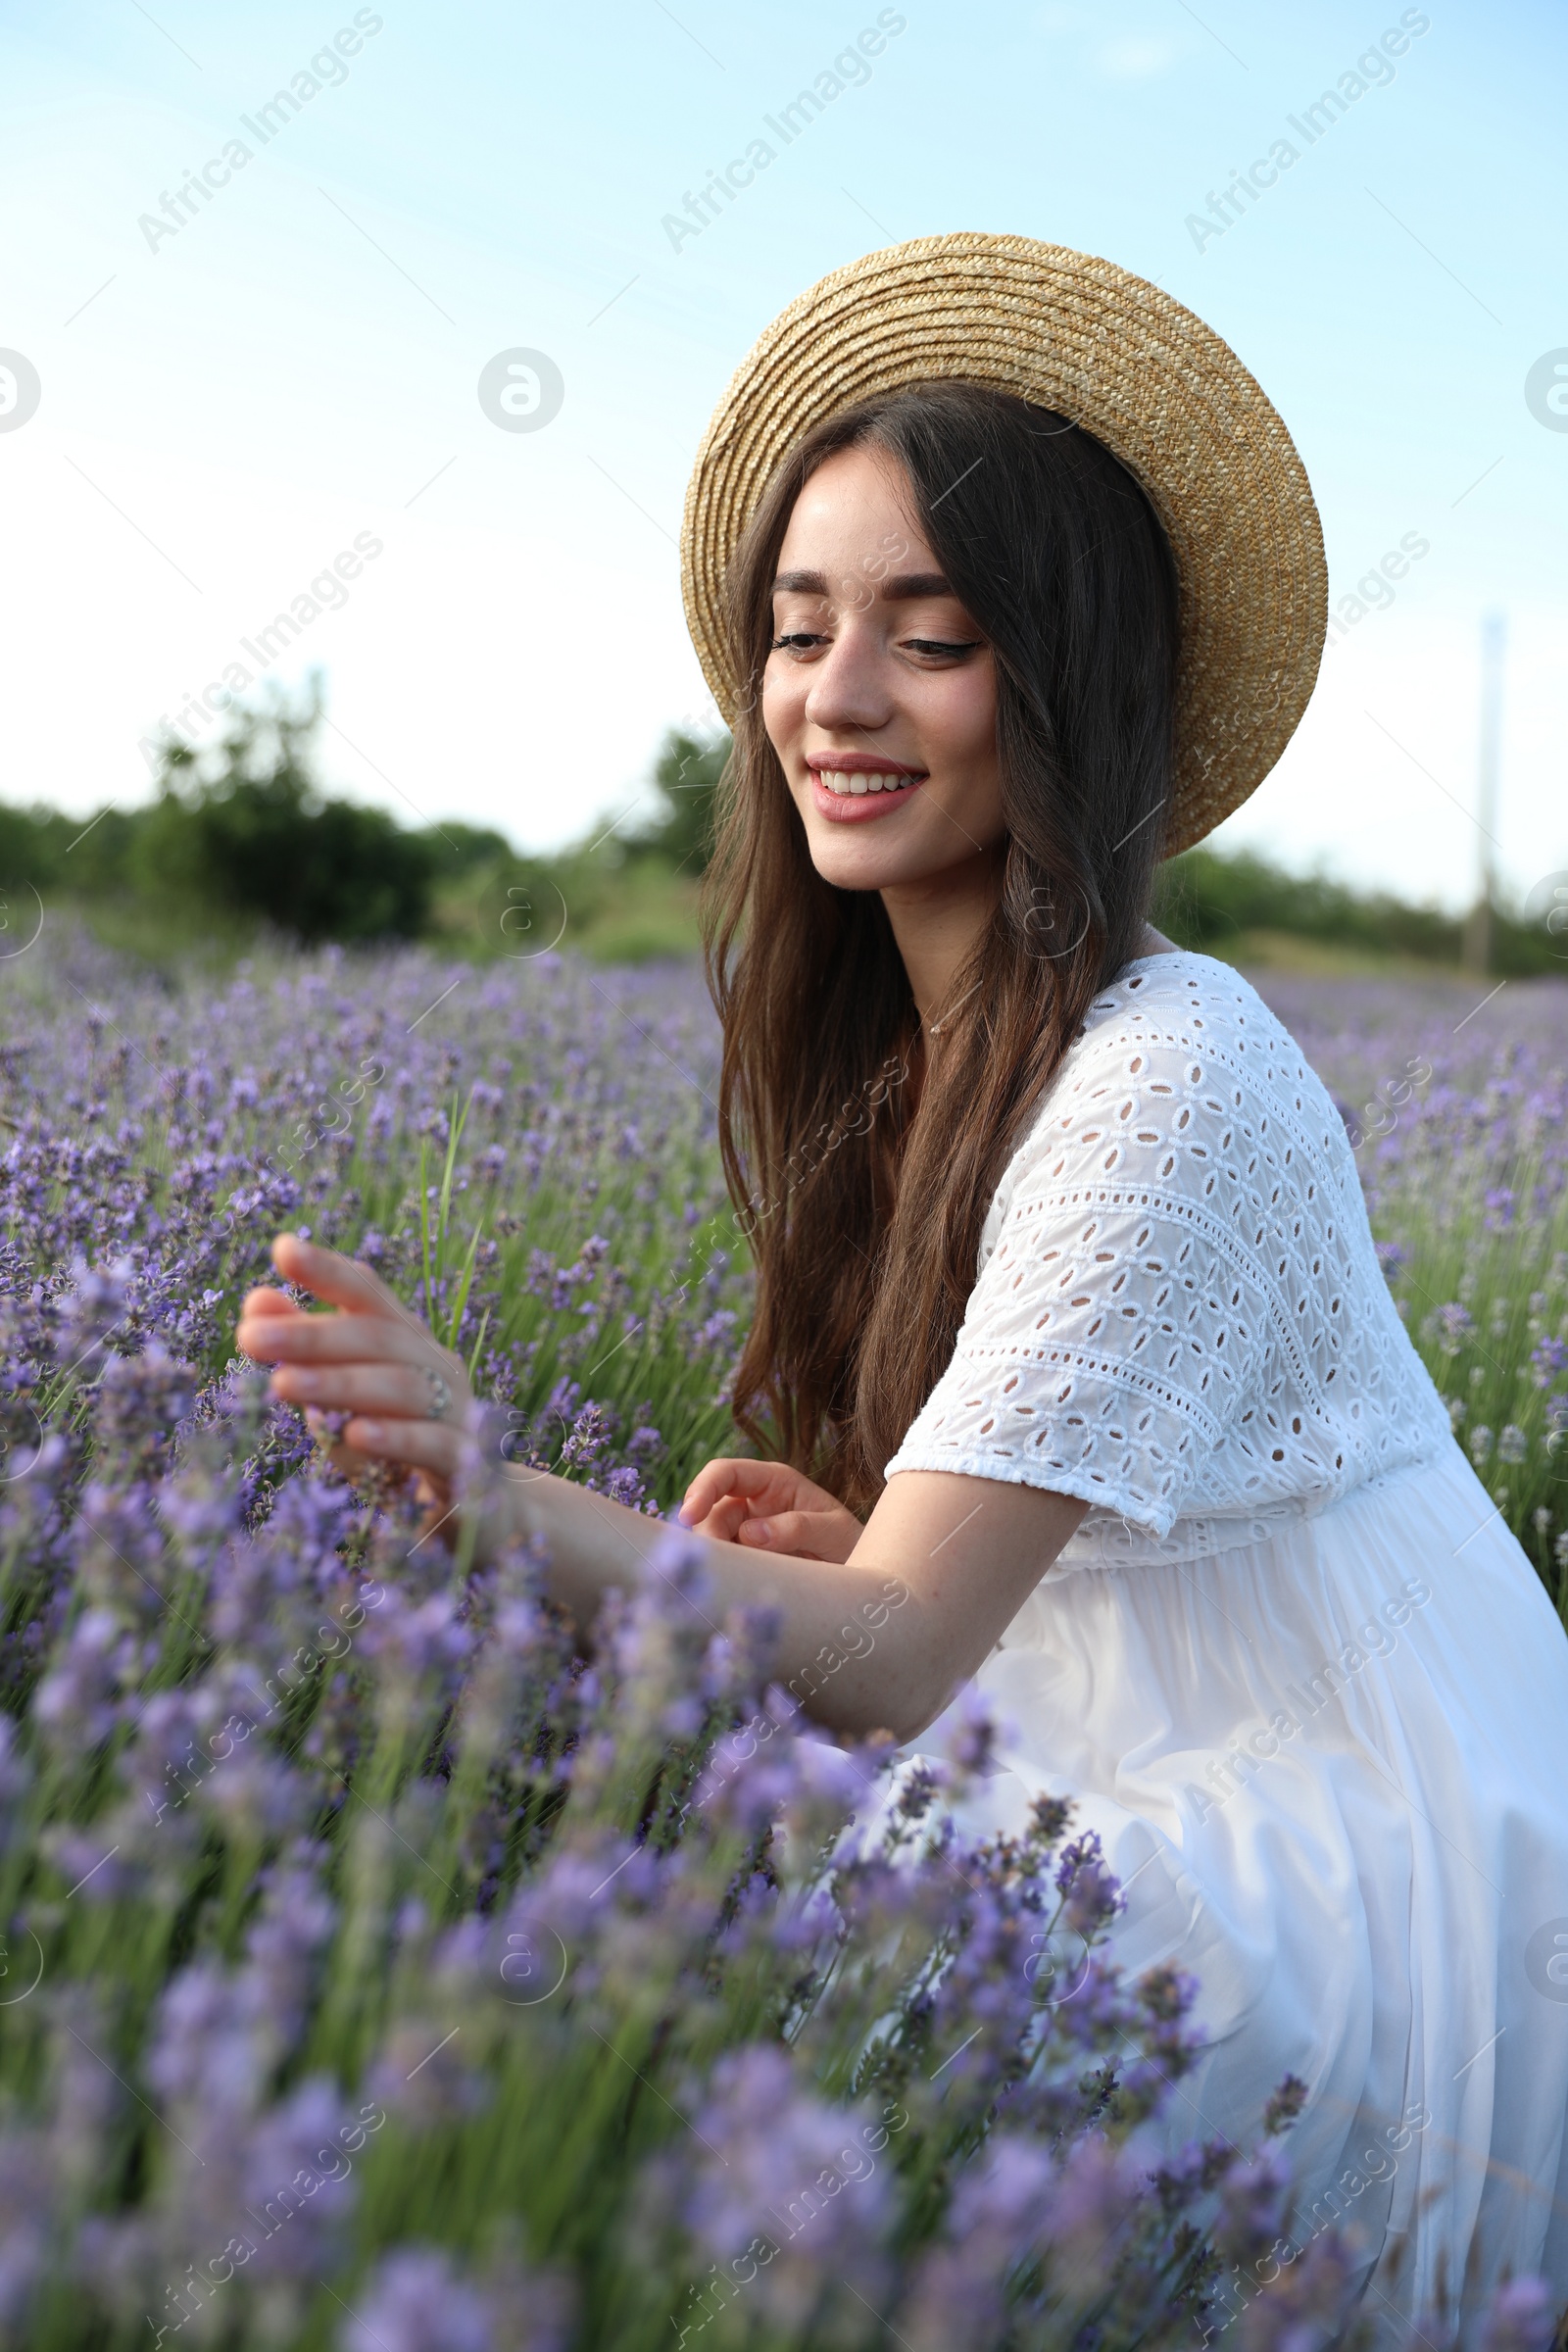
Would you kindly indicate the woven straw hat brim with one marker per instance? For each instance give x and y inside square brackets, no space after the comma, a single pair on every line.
[1131,366]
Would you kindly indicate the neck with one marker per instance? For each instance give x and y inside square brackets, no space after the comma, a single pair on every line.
[936,924]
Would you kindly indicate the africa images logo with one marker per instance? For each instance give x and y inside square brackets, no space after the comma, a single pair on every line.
[849,69]
[20,390]
[1373,69]
[521,390]
[1546,1959]
[327,68]
[1546,391]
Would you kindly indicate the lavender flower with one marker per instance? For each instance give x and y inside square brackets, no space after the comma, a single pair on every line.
[1522,2318]
[417,2302]
[380,1928]
[420,2300]
[786,2170]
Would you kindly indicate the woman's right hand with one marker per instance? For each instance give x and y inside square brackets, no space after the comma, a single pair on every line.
[404,1399]
[769,1507]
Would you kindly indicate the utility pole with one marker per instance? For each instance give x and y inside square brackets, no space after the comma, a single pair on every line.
[1477,928]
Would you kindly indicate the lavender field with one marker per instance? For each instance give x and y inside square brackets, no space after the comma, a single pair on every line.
[1455,1093]
[376,1974]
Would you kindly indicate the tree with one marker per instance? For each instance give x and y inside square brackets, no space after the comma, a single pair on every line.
[245,829]
[686,774]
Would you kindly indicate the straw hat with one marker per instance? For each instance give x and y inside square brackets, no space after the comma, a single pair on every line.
[1149,379]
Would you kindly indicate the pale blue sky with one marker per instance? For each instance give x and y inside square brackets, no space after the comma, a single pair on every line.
[224,413]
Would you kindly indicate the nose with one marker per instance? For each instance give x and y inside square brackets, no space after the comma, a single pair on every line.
[850,689]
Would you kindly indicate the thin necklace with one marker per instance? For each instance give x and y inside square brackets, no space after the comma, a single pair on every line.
[936,1027]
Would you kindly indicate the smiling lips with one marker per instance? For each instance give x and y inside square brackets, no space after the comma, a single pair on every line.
[852,786]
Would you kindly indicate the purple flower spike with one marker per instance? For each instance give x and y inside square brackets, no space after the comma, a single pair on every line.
[383,1932]
[417,2303]
[1522,2317]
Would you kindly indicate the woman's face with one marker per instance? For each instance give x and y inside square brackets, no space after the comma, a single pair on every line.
[880,694]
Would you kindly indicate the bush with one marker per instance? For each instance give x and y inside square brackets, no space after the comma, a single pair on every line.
[687,774]
[1208,899]
[241,835]
[249,833]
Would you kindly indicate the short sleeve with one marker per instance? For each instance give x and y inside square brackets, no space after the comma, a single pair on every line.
[1118,1322]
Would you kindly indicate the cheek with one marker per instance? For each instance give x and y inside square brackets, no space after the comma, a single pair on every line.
[783,714]
[784,694]
[958,715]
[959,732]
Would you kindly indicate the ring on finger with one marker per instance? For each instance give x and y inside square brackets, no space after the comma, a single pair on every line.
[440,1394]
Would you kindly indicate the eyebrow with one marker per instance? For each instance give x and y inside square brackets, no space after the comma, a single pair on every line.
[899,588]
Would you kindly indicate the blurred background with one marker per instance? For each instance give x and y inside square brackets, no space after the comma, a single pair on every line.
[352,360]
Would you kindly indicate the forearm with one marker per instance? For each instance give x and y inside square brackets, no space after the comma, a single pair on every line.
[862,1646]
[878,1640]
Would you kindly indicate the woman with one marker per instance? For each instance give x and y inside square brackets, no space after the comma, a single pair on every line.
[1068,1315]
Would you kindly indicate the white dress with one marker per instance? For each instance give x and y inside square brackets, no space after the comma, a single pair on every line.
[1292,1665]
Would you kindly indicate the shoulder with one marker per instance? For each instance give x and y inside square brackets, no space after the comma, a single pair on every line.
[1181,1078]
[1186,1001]
[1184,1030]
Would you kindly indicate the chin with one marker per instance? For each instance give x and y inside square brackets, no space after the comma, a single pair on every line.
[851,864]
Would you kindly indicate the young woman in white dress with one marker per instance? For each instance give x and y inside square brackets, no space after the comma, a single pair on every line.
[1067,1301]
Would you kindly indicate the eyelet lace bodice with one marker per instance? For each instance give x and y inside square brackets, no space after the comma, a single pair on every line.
[1179,1314]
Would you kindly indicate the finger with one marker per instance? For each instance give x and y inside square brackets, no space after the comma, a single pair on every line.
[798,1534]
[716,1479]
[340,1339]
[416,1445]
[268,1299]
[358,1467]
[397,1389]
[725,1520]
[341,1281]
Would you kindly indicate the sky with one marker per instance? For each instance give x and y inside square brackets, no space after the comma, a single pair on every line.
[308,373]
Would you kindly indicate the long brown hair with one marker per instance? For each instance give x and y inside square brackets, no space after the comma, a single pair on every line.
[860,1162]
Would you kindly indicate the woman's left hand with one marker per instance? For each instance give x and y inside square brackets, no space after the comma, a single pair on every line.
[408,1397]
[769,1507]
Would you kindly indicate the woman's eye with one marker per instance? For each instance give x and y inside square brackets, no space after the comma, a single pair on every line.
[802,641]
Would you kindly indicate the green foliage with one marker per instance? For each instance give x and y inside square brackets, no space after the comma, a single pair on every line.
[1209,901]
[249,833]
[686,774]
[241,838]
[625,893]
[34,843]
